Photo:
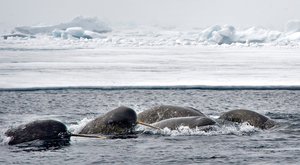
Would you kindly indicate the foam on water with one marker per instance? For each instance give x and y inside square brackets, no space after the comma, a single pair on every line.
[4,139]
[232,129]
[76,128]
[237,129]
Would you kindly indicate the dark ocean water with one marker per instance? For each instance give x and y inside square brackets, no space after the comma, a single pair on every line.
[241,144]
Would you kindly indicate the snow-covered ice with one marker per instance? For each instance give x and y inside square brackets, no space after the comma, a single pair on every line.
[136,36]
[173,66]
[87,23]
[79,53]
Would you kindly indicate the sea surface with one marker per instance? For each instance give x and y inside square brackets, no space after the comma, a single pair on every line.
[240,144]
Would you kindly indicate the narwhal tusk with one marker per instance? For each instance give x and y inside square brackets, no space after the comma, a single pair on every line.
[148,125]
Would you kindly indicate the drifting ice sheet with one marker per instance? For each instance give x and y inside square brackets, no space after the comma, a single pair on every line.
[150,67]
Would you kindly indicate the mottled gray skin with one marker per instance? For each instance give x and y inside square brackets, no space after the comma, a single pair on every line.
[118,121]
[191,122]
[253,118]
[38,130]
[163,112]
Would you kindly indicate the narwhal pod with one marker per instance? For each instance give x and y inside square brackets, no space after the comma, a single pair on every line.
[163,112]
[191,122]
[46,130]
[253,118]
[121,120]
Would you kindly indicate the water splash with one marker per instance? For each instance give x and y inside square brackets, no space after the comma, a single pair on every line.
[4,139]
[228,129]
[76,128]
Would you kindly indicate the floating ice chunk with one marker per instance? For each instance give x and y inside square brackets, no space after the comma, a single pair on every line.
[257,35]
[94,34]
[293,37]
[253,34]
[226,35]
[32,30]
[208,33]
[218,34]
[91,24]
[273,36]
[227,30]
[76,32]
[57,33]
[92,28]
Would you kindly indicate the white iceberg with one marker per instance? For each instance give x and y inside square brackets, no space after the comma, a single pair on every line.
[86,23]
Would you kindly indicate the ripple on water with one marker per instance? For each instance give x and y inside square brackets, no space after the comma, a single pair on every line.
[227,144]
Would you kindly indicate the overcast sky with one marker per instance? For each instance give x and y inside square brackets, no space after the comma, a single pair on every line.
[193,13]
